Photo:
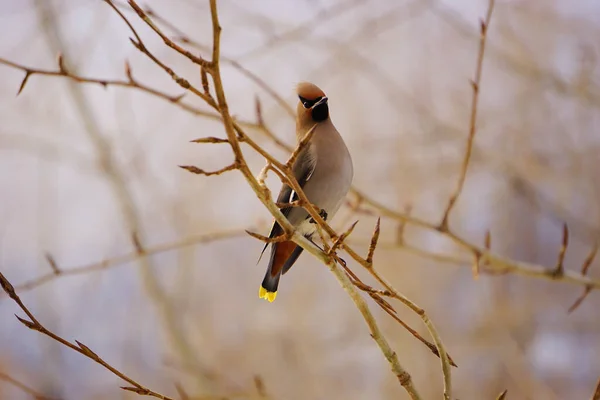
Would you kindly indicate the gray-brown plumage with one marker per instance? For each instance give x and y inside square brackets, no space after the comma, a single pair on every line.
[323,170]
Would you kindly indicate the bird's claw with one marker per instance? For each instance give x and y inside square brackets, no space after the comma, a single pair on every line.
[322,214]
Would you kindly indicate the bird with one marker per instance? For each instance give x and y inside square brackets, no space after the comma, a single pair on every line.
[323,170]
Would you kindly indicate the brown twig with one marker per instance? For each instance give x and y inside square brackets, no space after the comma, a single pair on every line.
[403,377]
[209,139]
[475,84]
[373,245]
[338,241]
[79,347]
[276,239]
[186,53]
[301,145]
[584,269]
[198,171]
[138,43]
[559,270]
[183,38]
[376,295]
[596,395]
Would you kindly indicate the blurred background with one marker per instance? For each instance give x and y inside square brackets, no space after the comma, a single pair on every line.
[83,167]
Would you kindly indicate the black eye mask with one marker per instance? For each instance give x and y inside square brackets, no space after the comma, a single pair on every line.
[308,103]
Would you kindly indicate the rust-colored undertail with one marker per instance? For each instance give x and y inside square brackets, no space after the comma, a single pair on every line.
[283,256]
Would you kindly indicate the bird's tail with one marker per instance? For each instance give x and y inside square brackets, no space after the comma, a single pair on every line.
[283,254]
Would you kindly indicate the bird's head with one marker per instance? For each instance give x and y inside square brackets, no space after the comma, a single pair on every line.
[312,105]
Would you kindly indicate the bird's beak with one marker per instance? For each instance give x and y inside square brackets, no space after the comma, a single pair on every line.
[318,103]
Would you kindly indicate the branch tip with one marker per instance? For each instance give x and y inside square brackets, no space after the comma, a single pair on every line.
[373,244]
[559,270]
[589,259]
[488,240]
[52,264]
[24,81]
[61,64]
[27,323]
[502,396]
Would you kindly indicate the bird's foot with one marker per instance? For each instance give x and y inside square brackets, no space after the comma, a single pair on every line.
[322,214]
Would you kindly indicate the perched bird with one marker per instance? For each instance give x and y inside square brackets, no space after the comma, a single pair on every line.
[324,171]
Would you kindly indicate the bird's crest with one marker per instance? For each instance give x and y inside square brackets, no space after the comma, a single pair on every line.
[309,91]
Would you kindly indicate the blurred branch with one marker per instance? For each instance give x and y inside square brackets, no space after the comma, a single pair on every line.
[114,262]
[475,84]
[596,395]
[530,72]
[33,324]
[584,269]
[493,263]
[170,324]
[33,393]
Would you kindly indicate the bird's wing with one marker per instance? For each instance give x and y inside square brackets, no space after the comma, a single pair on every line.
[303,169]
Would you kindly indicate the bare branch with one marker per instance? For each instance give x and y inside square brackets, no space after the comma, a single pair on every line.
[301,145]
[589,259]
[502,396]
[276,239]
[403,376]
[596,395]
[34,324]
[209,139]
[113,262]
[373,244]
[186,53]
[337,242]
[198,171]
[475,84]
[401,229]
[584,270]
[559,270]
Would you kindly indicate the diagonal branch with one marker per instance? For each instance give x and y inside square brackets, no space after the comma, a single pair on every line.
[117,261]
[475,84]
[198,171]
[79,347]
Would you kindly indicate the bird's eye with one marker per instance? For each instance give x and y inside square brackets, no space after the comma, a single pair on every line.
[308,103]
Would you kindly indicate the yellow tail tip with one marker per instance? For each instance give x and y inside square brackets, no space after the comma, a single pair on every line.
[264,294]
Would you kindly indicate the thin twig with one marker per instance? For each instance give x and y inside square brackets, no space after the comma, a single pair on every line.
[79,347]
[114,262]
[373,245]
[301,145]
[584,270]
[475,84]
[193,58]
[560,268]
[596,395]
[198,171]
